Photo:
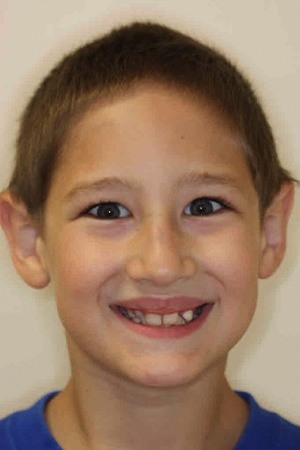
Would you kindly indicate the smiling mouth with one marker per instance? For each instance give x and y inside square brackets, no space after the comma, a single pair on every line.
[162,320]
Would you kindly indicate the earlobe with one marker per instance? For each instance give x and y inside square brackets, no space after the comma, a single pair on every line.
[26,245]
[274,230]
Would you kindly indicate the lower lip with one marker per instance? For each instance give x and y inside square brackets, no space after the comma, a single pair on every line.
[171,332]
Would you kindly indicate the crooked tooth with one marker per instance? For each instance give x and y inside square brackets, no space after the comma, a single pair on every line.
[187,315]
[170,319]
[153,319]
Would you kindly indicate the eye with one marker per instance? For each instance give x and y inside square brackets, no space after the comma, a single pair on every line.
[204,206]
[108,211]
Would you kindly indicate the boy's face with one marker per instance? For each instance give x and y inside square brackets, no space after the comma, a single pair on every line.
[168,151]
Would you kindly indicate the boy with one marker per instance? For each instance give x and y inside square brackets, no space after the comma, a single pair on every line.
[147,188]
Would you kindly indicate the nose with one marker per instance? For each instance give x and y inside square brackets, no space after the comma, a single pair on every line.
[160,255]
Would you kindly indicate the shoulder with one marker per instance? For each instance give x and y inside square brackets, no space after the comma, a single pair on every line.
[267,430]
[27,429]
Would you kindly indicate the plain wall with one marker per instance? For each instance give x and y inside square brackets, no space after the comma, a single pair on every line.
[263,38]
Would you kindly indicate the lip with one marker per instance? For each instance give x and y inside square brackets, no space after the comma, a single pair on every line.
[171,332]
[163,305]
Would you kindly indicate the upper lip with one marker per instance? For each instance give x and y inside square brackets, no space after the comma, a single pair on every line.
[163,305]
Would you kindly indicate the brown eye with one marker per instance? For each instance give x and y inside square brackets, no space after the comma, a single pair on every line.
[203,207]
[108,211]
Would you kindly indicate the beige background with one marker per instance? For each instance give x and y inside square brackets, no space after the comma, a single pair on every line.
[263,37]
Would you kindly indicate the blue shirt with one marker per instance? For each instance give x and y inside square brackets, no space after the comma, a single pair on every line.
[27,430]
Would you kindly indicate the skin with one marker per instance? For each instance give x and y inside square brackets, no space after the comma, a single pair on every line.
[154,138]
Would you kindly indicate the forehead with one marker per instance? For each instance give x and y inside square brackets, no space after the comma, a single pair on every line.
[152,126]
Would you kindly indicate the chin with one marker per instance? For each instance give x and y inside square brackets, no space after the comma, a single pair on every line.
[164,376]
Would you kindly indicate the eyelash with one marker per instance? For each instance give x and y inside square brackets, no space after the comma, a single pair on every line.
[222,205]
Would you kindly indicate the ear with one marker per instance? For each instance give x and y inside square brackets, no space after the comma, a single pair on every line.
[274,230]
[26,245]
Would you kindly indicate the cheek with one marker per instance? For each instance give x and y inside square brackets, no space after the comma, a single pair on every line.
[81,265]
[238,271]
[232,258]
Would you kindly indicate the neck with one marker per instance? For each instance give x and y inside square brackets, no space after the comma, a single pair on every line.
[104,411]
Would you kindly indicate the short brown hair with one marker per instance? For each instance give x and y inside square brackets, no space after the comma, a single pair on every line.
[111,65]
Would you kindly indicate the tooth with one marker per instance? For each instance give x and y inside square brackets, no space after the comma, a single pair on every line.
[138,317]
[153,319]
[160,320]
[130,313]
[187,315]
[138,314]
[180,321]
[136,320]
[170,319]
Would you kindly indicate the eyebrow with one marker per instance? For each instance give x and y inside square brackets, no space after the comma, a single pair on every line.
[206,178]
[102,184]
[191,179]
